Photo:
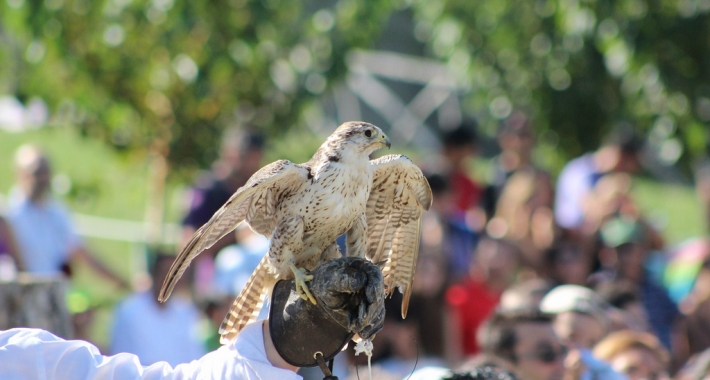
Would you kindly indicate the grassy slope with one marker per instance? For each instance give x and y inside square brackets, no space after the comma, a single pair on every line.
[674,207]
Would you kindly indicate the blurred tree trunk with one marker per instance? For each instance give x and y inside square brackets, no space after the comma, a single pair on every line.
[157,177]
[38,302]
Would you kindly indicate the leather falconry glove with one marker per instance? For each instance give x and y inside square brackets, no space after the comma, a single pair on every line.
[350,300]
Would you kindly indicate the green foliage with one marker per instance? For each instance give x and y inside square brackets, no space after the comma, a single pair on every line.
[135,72]
[581,67]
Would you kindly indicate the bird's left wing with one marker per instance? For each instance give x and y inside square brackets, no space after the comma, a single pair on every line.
[248,202]
[399,195]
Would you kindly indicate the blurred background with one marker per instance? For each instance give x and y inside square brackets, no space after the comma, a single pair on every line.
[133,101]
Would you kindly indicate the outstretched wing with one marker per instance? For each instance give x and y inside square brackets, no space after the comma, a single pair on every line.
[399,195]
[256,202]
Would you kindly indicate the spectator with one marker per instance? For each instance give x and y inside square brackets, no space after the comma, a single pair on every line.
[524,295]
[472,301]
[459,146]
[401,337]
[240,157]
[526,342]
[8,245]
[686,263]
[580,321]
[624,256]
[697,368]
[619,154]
[629,312]
[444,233]
[427,304]
[690,260]
[694,333]
[516,141]
[638,355]
[610,195]
[400,349]
[486,372]
[235,263]
[157,331]
[568,263]
[524,216]
[580,318]
[44,231]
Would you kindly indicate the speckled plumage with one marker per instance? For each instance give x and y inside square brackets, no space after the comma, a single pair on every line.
[303,208]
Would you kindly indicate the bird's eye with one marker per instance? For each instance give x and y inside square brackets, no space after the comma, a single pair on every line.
[368,133]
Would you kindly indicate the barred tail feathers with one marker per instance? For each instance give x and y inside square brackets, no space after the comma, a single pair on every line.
[246,307]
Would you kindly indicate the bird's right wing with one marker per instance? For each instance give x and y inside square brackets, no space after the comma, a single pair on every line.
[399,195]
[255,202]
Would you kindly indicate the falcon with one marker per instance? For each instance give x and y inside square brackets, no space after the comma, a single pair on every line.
[304,208]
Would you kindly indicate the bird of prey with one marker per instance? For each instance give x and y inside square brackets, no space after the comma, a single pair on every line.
[304,208]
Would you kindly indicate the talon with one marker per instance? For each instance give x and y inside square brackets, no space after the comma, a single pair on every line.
[301,278]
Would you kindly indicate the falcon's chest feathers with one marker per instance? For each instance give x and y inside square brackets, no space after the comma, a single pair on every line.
[340,186]
[345,187]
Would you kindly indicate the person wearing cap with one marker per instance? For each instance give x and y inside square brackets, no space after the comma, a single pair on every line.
[350,295]
[624,256]
[581,321]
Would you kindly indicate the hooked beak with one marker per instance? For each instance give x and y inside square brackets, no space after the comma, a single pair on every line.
[386,141]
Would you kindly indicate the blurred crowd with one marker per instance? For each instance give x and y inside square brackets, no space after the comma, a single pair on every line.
[544,278]
[551,279]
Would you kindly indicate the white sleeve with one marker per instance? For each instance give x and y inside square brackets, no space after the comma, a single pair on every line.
[30,354]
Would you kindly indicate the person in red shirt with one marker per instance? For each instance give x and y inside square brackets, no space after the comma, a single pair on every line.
[474,299]
[459,146]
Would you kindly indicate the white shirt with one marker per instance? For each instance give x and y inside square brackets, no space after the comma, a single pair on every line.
[32,354]
[169,333]
[576,180]
[44,233]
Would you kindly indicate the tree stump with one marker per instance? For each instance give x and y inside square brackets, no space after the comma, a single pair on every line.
[34,301]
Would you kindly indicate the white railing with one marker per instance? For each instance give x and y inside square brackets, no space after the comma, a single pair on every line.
[123,230]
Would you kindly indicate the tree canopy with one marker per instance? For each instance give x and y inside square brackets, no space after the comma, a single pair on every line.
[581,67]
[134,71]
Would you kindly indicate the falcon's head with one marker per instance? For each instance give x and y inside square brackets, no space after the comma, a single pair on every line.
[358,137]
